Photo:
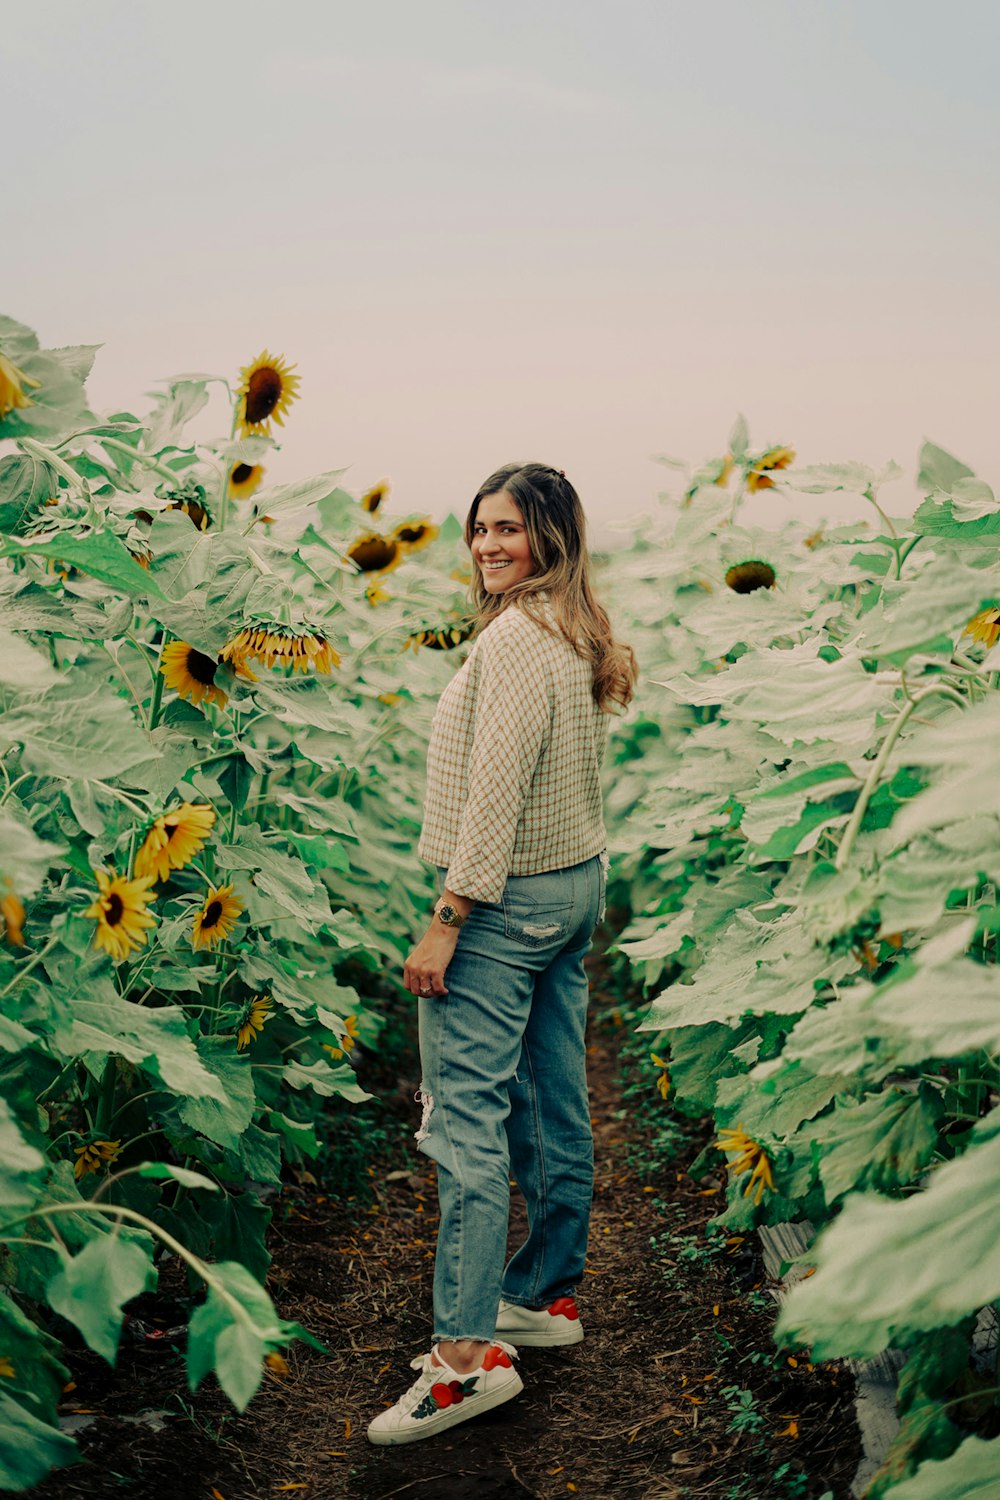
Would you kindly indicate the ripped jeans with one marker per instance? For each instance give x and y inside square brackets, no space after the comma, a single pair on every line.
[504,1093]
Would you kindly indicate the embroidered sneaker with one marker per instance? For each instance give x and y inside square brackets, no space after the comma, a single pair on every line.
[441,1396]
[559,1323]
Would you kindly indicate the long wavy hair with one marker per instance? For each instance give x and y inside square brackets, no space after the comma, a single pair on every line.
[557,534]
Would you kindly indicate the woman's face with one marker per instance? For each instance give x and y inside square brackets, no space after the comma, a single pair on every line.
[500,548]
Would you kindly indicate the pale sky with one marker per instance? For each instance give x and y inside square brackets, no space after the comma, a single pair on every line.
[580,231]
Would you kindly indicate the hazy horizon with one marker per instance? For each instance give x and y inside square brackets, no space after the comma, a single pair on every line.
[577,232]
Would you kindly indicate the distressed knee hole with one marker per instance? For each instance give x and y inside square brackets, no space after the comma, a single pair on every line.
[427,1101]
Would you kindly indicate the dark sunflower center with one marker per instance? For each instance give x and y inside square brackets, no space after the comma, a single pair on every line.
[410,534]
[201,667]
[374,552]
[263,394]
[241,473]
[745,577]
[212,914]
[115,911]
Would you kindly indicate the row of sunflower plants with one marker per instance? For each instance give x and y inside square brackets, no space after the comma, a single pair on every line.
[215,695]
[806,827]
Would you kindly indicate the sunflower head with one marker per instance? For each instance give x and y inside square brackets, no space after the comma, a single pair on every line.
[216,917]
[751,1157]
[255,1013]
[374,553]
[347,1040]
[746,577]
[414,536]
[445,638]
[13,396]
[283,646]
[95,1155]
[244,480]
[191,673]
[174,839]
[120,912]
[985,626]
[12,916]
[267,389]
[372,499]
[774,458]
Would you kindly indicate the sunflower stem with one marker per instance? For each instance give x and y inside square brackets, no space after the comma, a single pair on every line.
[879,764]
[156,702]
[72,478]
[106,1096]
[223,505]
[32,963]
[140,458]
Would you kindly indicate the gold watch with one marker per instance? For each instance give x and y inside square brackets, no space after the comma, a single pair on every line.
[449,914]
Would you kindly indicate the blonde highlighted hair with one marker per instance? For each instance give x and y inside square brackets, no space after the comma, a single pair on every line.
[556,529]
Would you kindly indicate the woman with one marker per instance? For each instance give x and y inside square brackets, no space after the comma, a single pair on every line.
[513,823]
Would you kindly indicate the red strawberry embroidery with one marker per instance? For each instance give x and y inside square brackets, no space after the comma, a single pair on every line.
[443,1394]
[496,1356]
[564,1307]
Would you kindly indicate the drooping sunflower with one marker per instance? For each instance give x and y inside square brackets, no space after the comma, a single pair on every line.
[282,645]
[191,673]
[174,839]
[750,1157]
[95,1155]
[444,638]
[985,626]
[244,480]
[663,1077]
[372,499]
[347,1041]
[746,577]
[255,1013]
[12,915]
[196,512]
[377,595]
[120,912]
[374,553]
[266,391]
[216,917]
[12,383]
[412,537]
[774,458]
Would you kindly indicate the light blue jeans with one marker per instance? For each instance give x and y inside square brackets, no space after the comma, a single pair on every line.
[504,1093]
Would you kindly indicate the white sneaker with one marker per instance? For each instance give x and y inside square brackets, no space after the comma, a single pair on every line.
[442,1396]
[559,1323]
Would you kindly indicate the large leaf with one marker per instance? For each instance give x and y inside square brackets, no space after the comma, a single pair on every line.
[92,1288]
[883,1142]
[972,1472]
[24,857]
[282,877]
[231,1332]
[100,554]
[77,733]
[889,1269]
[20,1163]
[29,1448]
[225,1116]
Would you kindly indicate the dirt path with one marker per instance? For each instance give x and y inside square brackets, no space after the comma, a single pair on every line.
[635,1412]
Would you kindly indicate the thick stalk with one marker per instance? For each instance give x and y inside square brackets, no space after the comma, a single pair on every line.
[878,766]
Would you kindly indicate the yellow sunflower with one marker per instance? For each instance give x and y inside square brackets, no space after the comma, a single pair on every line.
[252,1024]
[412,537]
[191,673]
[12,383]
[120,912]
[174,839]
[746,577]
[266,391]
[283,646]
[374,553]
[376,595]
[95,1155]
[372,499]
[725,469]
[7,1368]
[216,918]
[774,458]
[194,510]
[346,1041]
[446,638]
[985,626]
[663,1077]
[244,480]
[12,915]
[750,1157]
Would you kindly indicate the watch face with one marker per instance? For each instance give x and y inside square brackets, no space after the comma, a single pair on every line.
[447,912]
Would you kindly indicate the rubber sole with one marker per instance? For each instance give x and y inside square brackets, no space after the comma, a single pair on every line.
[428,1428]
[543,1339]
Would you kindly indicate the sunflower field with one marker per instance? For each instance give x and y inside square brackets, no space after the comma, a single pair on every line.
[216,697]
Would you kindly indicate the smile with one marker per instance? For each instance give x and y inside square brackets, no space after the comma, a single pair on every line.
[494,567]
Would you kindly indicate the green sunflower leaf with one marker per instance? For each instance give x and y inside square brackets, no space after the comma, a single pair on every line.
[91,1289]
[225,1116]
[29,1448]
[231,1332]
[101,555]
[972,1472]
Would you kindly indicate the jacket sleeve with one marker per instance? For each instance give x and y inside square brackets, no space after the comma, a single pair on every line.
[511,728]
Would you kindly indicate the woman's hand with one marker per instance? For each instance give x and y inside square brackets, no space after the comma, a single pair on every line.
[424,969]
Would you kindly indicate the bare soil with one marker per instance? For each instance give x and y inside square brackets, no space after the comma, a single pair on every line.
[634,1412]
